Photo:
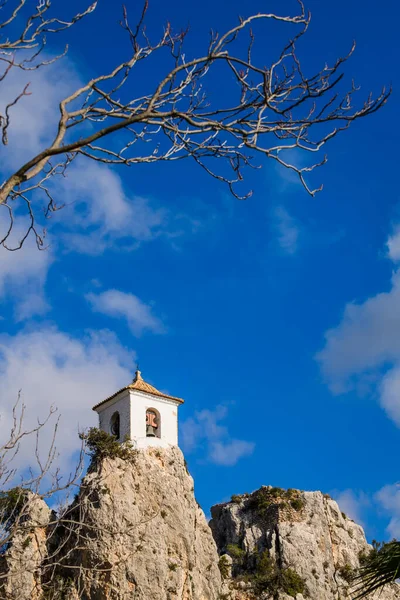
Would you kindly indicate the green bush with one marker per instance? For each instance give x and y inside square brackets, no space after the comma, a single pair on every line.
[265,577]
[264,498]
[12,502]
[235,552]
[346,572]
[363,557]
[236,498]
[297,504]
[276,492]
[269,578]
[102,445]
[292,583]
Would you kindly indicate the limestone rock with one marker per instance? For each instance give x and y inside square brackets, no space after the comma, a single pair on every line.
[302,531]
[22,560]
[144,536]
[136,532]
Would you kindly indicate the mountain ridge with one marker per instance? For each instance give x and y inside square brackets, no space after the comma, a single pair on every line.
[135,531]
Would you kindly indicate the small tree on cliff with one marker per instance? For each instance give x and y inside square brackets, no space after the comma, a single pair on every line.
[269,108]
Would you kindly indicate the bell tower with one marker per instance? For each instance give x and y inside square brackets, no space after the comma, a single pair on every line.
[141,413]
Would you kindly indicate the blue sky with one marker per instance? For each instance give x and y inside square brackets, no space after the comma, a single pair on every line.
[276,318]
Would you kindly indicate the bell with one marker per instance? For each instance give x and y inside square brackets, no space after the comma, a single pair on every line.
[150,431]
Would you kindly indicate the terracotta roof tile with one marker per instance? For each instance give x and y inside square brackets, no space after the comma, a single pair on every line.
[142,386]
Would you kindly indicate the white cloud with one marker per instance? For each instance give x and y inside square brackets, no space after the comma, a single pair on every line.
[361,507]
[23,276]
[287,230]
[390,393]
[389,499]
[204,425]
[99,213]
[367,336]
[393,245]
[53,368]
[33,120]
[204,431]
[364,349]
[285,179]
[121,305]
[229,452]
[352,504]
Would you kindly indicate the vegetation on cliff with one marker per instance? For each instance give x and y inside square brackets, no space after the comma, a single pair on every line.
[100,445]
[378,568]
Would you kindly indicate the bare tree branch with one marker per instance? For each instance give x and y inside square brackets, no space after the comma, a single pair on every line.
[24,516]
[41,548]
[267,111]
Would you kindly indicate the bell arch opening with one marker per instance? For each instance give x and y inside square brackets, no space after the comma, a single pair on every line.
[115,425]
[153,423]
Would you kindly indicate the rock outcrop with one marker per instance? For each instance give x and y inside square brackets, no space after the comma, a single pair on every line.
[135,532]
[20,565]
[284,543]
[144,537]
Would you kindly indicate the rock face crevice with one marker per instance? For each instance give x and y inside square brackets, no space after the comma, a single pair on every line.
[304,532]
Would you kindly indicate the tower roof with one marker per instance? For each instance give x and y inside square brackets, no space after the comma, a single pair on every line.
[142,386]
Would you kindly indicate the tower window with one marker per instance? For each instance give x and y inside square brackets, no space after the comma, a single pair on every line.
[115,425]
[153,423]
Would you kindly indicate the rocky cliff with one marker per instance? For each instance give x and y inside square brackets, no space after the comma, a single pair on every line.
[20,563]
[135,532]
[144,537]
[280,544]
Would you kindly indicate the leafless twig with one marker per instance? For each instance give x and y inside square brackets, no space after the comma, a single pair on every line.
[42,548]
[267,111]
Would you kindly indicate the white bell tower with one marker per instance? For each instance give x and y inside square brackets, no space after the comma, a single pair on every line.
[141,413]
